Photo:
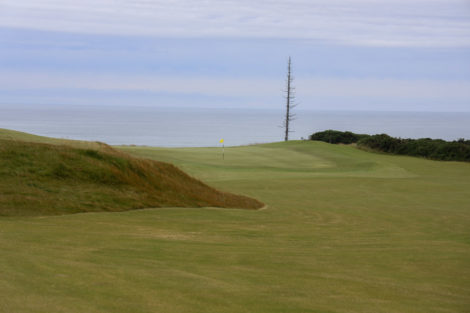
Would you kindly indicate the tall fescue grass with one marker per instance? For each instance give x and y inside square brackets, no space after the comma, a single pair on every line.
[38,179]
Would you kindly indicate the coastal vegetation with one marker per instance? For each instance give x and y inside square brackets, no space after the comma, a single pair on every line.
[336,136]
[435,149]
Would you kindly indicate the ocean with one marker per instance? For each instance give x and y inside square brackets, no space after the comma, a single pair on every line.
[204,127]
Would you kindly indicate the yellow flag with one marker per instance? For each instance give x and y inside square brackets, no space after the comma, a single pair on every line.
[221,141]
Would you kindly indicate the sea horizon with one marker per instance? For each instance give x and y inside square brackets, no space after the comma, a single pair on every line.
[204,127]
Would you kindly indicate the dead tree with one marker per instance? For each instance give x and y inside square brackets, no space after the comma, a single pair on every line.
[290,96]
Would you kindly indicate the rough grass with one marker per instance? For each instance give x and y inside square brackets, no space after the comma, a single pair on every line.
[44,179]
[7,134]
[345,231]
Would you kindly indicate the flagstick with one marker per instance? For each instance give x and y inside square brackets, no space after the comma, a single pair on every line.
[223,151]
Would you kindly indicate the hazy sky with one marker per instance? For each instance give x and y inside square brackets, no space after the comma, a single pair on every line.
[347,54]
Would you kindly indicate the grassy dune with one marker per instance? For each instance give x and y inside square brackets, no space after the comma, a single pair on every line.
[345,231]
[13,135]
[48,179]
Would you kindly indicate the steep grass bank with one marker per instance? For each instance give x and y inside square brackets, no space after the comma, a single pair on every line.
[43,179]
[14,135]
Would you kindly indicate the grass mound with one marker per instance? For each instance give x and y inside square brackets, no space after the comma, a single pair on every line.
[46,179]
[8,134]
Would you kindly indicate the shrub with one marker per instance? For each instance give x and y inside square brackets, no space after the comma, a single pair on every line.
[436,149]
[336,136]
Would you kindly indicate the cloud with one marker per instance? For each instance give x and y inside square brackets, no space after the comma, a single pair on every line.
[433,23]
[263,92]
[201,85]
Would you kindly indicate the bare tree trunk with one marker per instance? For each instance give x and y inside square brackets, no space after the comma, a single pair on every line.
[289,101]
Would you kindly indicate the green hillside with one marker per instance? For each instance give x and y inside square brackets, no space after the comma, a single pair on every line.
[8,134]
[345,230]
[44,179]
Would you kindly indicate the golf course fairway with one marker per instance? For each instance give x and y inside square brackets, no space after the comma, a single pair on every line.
[344,230]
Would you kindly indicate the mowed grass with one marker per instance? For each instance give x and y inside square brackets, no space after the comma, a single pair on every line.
[345,231]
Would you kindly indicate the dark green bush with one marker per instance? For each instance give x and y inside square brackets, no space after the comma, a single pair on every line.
[336,136]
[436,149]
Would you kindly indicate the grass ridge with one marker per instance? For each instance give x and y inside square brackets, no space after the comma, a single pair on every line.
[39,178]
